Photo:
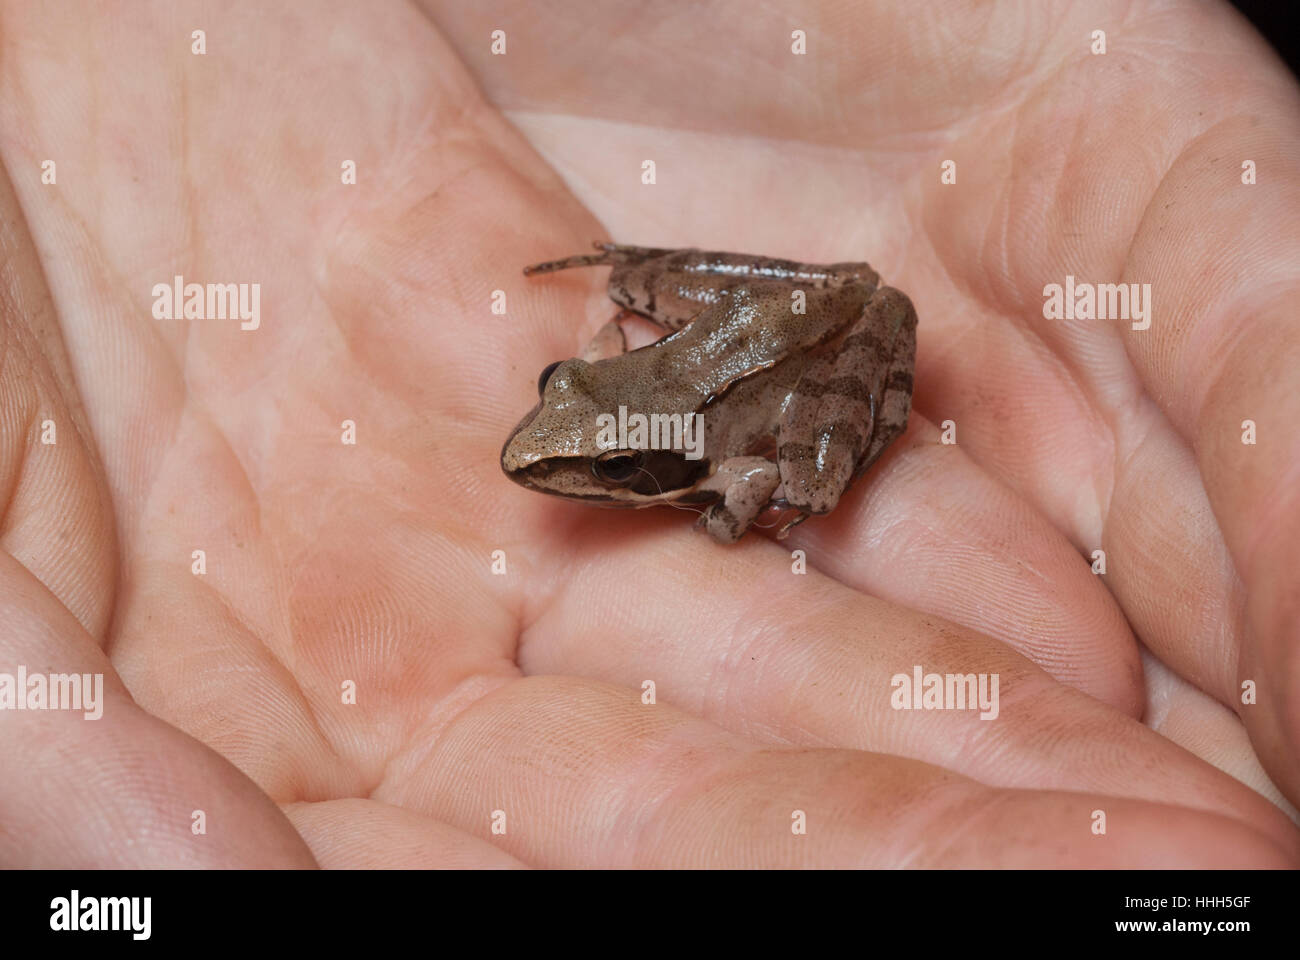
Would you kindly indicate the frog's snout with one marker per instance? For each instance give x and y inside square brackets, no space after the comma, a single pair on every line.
[514,458]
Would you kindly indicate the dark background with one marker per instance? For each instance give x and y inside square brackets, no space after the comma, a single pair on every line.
[1277,21]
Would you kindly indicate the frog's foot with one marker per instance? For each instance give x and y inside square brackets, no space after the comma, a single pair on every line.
[790,524]
[779,515]
[611,255]
[747,484]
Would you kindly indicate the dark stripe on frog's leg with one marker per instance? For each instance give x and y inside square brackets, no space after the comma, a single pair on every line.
[896,400]
[746,485]
[853,387]
[669,299]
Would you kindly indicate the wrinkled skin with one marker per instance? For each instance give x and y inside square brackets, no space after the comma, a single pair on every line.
[372,563]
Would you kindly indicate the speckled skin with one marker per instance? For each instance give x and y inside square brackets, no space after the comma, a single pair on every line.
[795,406]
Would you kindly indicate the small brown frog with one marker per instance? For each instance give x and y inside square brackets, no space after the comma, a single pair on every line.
[800,373]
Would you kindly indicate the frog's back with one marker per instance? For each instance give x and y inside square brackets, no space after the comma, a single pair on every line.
[753,329]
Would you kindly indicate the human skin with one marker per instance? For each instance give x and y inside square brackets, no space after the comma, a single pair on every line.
[372,564]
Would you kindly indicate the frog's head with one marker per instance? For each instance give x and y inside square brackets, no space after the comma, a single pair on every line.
[564,445]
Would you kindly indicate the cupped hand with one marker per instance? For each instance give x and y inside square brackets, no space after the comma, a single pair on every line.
[393,656]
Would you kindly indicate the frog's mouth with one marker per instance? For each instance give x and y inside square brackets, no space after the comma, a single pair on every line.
[571,479]
[661,475]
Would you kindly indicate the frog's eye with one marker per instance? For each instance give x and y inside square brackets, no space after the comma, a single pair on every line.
[617,466]
[546,375]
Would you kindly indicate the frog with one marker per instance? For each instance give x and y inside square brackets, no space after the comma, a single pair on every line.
[801,375]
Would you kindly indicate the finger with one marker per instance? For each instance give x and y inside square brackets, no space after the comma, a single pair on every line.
[120,790]
[357,834]
[930,530]
[1168,566]
[119,787]
[1203,367]
[1054,409]
[1201,725]
[50,476]
[581,775]
[1125,485]
[800,659]
[1225,354]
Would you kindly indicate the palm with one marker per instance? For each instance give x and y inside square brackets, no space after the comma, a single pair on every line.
[370,564]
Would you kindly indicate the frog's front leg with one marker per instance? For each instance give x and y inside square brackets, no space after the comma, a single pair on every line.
[746,485]
[847,407]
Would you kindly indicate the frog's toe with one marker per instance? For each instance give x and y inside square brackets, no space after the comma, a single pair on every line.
[790,524]
[722,523]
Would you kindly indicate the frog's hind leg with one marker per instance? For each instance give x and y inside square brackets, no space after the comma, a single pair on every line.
[611,255]
[848,406]
[670,287]
[824,431]
[896,400]
[642,282]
